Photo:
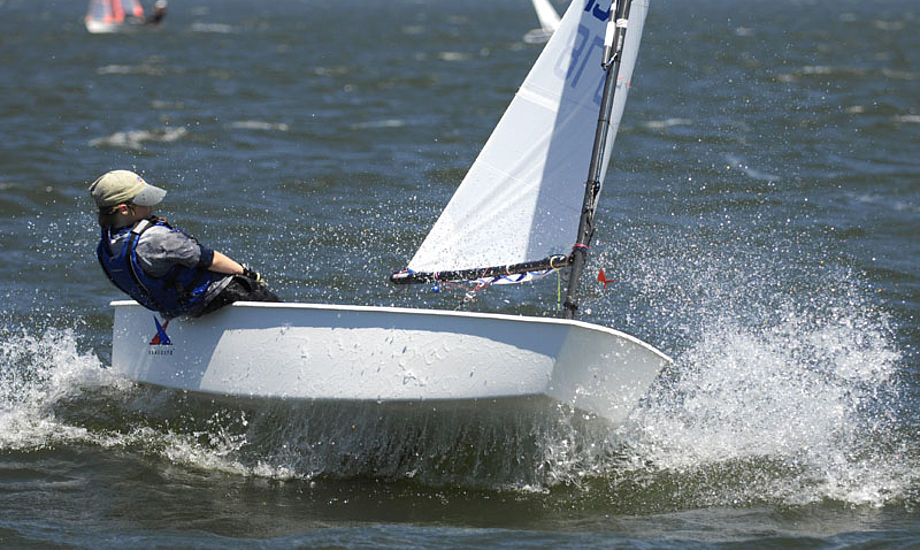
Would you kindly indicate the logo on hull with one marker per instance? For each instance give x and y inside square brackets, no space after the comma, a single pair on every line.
[161,338]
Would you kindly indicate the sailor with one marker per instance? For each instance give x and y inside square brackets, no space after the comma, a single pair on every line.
[160,266]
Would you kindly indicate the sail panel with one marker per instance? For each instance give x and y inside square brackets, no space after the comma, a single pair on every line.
[521,199]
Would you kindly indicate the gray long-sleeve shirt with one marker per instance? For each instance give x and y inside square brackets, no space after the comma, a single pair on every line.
[160,248]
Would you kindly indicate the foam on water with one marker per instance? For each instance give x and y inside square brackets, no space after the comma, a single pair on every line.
[259,125]
[218,28]
[135,139]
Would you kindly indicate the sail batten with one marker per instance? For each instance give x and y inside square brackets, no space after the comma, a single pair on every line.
[542,99]
[521,200]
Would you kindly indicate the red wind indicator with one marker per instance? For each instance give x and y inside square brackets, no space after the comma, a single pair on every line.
[603,278]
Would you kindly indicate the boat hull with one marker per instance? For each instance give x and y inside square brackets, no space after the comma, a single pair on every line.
[377,354]
[94,26]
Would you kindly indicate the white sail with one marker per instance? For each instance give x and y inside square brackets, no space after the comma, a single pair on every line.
[521,199]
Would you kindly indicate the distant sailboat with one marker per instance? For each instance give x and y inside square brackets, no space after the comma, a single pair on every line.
[109,16]
[549,22]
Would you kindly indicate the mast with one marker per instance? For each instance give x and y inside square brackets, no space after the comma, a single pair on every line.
[613,50]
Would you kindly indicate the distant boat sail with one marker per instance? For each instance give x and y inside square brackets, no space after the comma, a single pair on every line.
[549,22]
[107,16]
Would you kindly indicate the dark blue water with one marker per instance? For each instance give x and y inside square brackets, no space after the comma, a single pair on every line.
[761,218]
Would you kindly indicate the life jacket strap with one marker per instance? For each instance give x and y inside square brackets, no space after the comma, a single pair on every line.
[141,226]
[131,244]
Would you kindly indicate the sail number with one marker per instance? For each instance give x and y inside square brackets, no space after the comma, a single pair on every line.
[595,8]
[588,46]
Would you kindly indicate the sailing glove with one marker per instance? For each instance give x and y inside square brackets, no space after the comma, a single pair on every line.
[253,275]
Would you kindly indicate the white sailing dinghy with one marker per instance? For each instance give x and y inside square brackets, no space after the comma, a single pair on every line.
[110,16]
[514,217]
[549,22]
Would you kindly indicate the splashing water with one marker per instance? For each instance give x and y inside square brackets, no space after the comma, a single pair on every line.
[812,401]
[775,398]
[52,394]
[37,371]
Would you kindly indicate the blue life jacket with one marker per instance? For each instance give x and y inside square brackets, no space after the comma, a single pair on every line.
[176,293]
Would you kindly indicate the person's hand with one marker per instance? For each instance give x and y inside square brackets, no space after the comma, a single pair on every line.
[253,275]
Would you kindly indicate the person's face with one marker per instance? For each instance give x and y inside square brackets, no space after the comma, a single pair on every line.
[136,211]
[143,211]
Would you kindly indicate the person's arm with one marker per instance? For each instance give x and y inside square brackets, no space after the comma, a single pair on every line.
[223,264]
[161,248]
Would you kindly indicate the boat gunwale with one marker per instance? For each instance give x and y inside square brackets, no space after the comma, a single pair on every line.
[441,313]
